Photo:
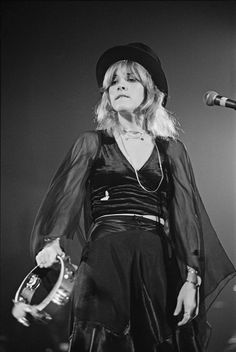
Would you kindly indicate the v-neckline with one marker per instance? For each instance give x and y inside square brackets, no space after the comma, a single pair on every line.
[128,162]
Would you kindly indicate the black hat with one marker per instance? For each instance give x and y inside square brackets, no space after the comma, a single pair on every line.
[137,52]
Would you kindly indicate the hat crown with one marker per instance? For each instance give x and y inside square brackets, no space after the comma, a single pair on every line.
[145,48]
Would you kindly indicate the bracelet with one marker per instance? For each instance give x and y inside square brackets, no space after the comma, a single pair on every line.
[50,239]
[192,282]
[191,270]
[195,283]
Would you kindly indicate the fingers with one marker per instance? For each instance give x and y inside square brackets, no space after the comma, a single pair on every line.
[189,312]
[178,307]
[19,312]
[186,319]
[188,315]
[194,310]
[48,255]
[187,304]
[42,260]
[46,258]
[23,321]
[22,312]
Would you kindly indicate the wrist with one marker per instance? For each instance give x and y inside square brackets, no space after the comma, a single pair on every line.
[196,283]
[191,273]
[54,243]
[193,277]
[48,240]
[191,270]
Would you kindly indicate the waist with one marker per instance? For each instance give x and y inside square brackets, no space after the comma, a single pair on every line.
[147,216]
[114,223]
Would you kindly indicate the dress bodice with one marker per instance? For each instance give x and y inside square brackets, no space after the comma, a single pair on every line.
[114,186]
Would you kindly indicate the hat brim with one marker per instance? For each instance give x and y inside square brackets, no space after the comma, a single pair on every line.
[150,63]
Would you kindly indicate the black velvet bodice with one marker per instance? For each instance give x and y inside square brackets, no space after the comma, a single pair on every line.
[114,187]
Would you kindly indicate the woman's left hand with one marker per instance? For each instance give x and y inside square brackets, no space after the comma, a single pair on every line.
[187,302]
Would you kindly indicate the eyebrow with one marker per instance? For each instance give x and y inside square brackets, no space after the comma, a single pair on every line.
[128,74]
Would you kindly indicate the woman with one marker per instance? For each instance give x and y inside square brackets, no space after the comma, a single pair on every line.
[151,258]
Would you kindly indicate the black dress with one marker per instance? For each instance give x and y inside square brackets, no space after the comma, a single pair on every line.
[131,270]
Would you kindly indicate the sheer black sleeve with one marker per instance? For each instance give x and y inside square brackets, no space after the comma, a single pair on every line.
[60,214]
[196,241]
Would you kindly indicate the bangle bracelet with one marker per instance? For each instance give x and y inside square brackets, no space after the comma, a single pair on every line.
[192,282]
[50,239]
[195,283]
[191,270]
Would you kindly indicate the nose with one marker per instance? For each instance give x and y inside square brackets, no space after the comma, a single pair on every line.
[122,86]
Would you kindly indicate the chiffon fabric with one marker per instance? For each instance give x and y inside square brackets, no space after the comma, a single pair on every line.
[66,211]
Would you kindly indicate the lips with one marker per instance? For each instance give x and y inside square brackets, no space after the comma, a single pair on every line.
[122,96]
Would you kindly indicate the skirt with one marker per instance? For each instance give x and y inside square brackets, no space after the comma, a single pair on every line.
[126,291]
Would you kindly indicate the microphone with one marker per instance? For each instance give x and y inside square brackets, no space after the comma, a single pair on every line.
[212,98]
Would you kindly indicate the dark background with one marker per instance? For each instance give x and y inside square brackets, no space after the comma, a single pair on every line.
[49,53]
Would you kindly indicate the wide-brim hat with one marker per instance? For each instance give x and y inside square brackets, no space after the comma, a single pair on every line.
[137,52]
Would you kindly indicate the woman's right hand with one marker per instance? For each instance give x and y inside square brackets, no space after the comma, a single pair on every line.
[48,255]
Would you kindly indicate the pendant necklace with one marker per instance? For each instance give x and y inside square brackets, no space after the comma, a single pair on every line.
[136,171]
[129,134]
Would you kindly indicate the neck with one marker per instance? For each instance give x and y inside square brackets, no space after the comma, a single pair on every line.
[128,122]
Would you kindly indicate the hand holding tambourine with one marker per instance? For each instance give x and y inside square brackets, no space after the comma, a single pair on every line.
[48,255]
[22,312]
[46,288]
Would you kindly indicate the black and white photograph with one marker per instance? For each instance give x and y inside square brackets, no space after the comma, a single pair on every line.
[118,176]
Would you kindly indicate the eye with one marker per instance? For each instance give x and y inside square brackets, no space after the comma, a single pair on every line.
[113,82]
[131,78]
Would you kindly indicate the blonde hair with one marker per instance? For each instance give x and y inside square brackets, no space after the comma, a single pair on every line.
[157,120]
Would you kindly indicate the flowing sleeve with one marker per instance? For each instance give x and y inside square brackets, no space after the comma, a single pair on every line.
[62,209]
[195,239]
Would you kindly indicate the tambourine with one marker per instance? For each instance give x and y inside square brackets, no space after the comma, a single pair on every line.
[44,291]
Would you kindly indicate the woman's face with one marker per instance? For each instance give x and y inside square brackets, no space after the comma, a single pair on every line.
[126,92]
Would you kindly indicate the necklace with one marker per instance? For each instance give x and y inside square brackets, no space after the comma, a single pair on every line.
[129,134]
[136,171]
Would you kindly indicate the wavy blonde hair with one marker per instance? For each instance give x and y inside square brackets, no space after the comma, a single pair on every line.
[157,120]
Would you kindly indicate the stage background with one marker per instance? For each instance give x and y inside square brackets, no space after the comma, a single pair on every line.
[49,53]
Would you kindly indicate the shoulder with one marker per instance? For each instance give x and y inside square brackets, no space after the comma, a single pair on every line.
[86,143]
[88,137]
[172,147]
[176,149]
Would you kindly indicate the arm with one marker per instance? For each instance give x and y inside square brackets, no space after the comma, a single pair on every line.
[185,223]
[59,215]
[196,243]
[187,233]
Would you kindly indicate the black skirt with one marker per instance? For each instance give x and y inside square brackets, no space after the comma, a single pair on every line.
[126,291]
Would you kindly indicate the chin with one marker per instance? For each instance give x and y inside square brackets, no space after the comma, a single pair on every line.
[125,108]
[124,112]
